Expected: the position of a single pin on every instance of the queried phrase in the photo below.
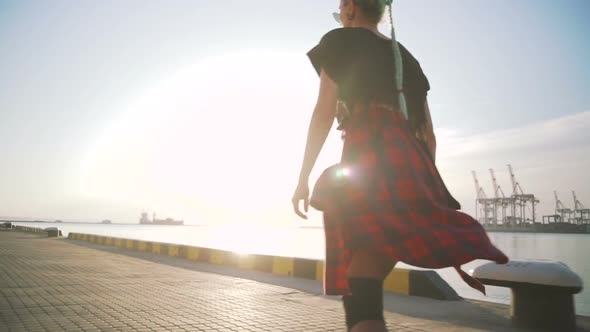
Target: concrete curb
(27, 229)
(402, 281)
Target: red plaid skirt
(387, 195)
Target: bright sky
(198, 109)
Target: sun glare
(227, 132)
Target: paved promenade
(49, 284)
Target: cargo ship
(144, 220)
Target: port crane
(499, 202)
(518, 210)
(560, 209)
(483, 204)
(581, 213)
(521, 200)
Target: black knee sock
(365, 301)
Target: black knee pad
(365, 301)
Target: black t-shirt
(362, 65)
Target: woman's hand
(319, 127)
(301, 194)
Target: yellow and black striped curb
(404, 281)
(29, 229)
(50, 231)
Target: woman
(385, 201)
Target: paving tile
(55, 285)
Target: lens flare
(342, 172)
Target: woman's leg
(364, 307)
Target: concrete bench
(53, 232)
(542, 292)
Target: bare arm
(320, 125)
(430, 138)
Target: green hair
(373, 9)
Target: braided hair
(374, 10)
(397, 56)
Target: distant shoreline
(555, 228)
(87, 223)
